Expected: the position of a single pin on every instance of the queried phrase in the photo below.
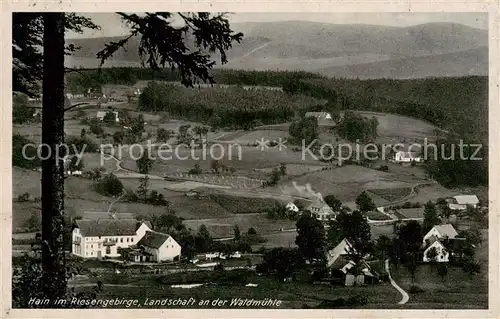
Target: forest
(234, 108)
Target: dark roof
(108, 227)
(153, 239)
(106, 215)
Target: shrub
(157, 199)
(25, 197)
(95, 174)
(96, 127)
(196, 170)
(33, 223)
(109, 185)
(18, 159)
(383, 168)
(131, 196)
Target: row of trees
(202, 241)
(92, 79)
(355, 127)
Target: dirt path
(405, 295)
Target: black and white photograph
(250, 160)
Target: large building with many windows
(102, 234)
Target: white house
(460, 202)
(159, 247)
(406, 157)
(102, 114)
(72, 96)
(439, 232)
(442, 254)
(321, 210)
(96, 238)
(291, 207)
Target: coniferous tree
(163, 44)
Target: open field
(292, 294)
(24, 180)
(376, 215)
(252, 137)
(242, 205)
(401, 127)
(297, 169)
(347, 182)
(223, 227)
(244, 159)
(392, 194)
(412, 212)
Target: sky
(112, 26)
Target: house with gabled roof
(102, 237)
(441, 252)
(159, 247)
(438, 232)
(460, 202)
(342, 249)
(321, 210)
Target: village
(127, 243)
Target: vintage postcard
(318, 162)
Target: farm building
(445, 231)
(75, 96)
(441, 254)
(324, 118)
(102, 114)
(96, 238)
(116, 92)
(341, 249)
(340, 264)
(460, 202)
(157, 247)
(407, 157)
(291, 207)
(447, 248)
(321, 210)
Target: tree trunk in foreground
(54, 274)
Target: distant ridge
(431, 49)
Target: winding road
(405, 295)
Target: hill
(322, 47)
(465, 63)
